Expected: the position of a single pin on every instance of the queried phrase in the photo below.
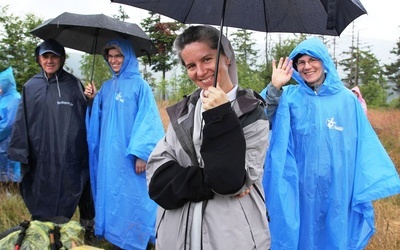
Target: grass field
(387, 211)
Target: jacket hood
(7, 81)
(315, 48)
(360, 98)
(357, 89)
(229, 52)
(130, 64)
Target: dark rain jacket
(49, 139)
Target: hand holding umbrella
(214, 97)
(90, 90)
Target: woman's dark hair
(206, 34)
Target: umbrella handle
(94, 46)
(219, 44)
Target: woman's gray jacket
(232, 153)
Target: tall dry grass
(387, 211)
(12, 208)
(387, 125)
(162, 105)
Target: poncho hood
(130, 66)
(315, 48)
(7, 81)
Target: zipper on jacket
(187, 225)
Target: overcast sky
(381, 23)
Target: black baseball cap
(52, 46)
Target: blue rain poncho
(124, 124)
(324, 166)
(9, 100)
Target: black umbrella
(325, 17)
(90, 33)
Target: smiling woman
(219, 193)
(320, 154)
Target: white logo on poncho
(65, 103)
(332, 124)
(119, 97)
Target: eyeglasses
(312, 61)
(117, 56)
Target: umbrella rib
(189, 10)
(265, 15)
(331, 20)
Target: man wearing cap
(49, 139)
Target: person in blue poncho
(325, 164)
(10, 171)
(123, 127)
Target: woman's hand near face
(214, 97)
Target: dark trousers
(86, 204)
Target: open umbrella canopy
(90, 33)
(325, 17)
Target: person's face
(200, 62)
(115, 59)
(311, 70)
(50, 63)
(355, 93)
